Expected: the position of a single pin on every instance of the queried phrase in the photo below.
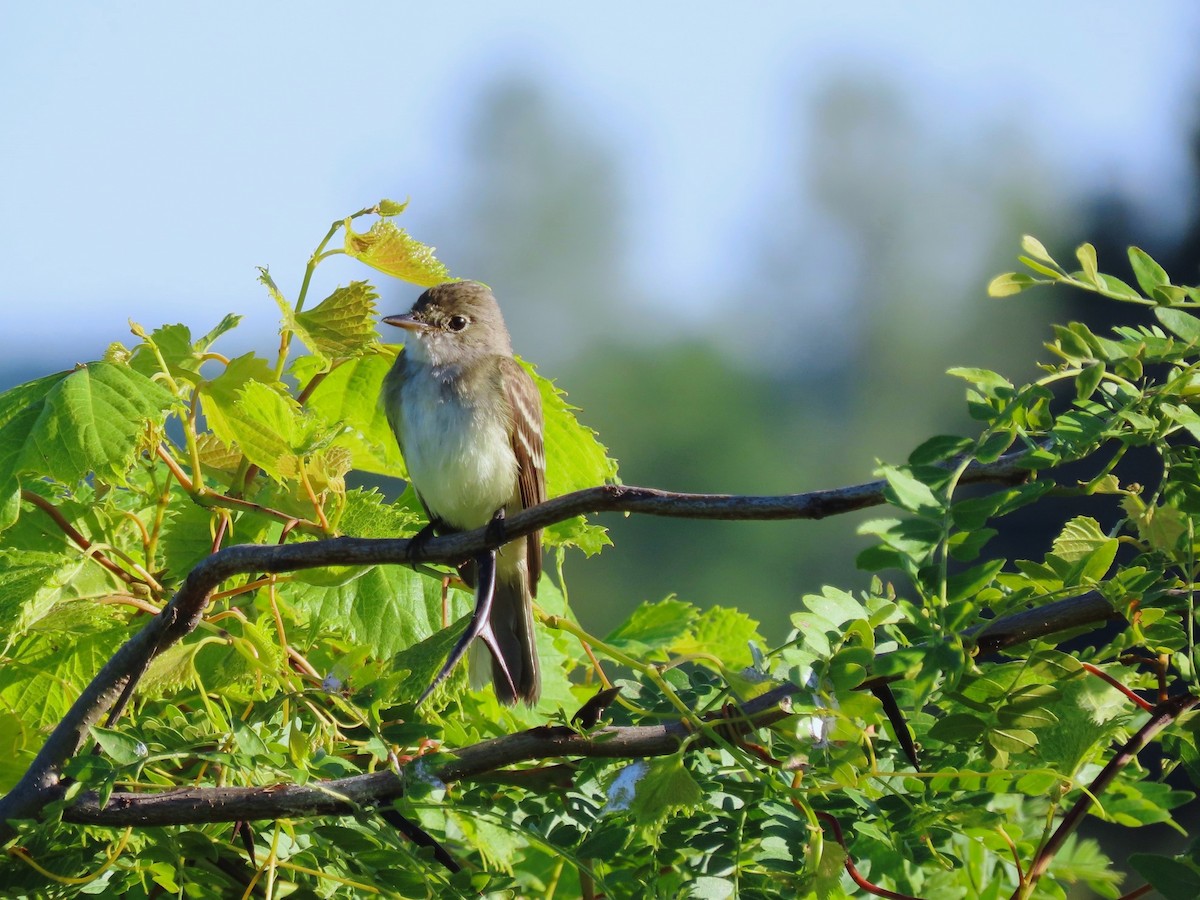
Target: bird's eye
(457, 323)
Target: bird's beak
(406, 321)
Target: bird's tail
(514, 666)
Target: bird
(468, 421)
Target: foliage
(118, 477)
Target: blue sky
(154, 154)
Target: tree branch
(344, 796)
(113, 686)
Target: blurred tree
(540, 214)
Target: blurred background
(747, 243)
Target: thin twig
(76, 537)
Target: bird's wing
(525, 404)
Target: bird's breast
(459, 455)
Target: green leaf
(654, 627)
(987, 381)
(907, 492)
(1036, 249)
(1179, 323)
(575, 459)
(1079, 537)
(939, 449)
(724, 633)
(1088, 380)
(47, 668)
(348, 396)
(266, 425)
(31, 582)
(1148, 273)
(69, 425)
(368, 514)
(174, 344)
(957, 728)
(1086, 254)
(384, 608)
(390, 208)
(219, 396)
(1012, 740)
(343, 324)
(120, 747)
(1176, 878)
(416, 666)
(1011, 283)
(665, 789)
(394, 252)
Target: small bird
(468, 420)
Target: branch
(113, 686)
(345, 796)
(1162, 716)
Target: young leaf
(343, 324)
(394, 252)
(1036, 249)
(907, 492)
(1086, 254)
(655, 627)
(349, 396)
(1011, 283)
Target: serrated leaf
(31, 582)
(91, 419)
(265, 425)
(419, 664)
(666, 788)
(46, 669)
(384, 608)
(724, 633)
(174, 344)
(1148, 273)
(348, 396)
(219, 395)
(1079, 537)
(186, 537)
(368, 514)
(394, 252)
(575, 459)
(342, 325)
(655, 627)
(390, 208)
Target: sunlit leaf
(394, 252)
